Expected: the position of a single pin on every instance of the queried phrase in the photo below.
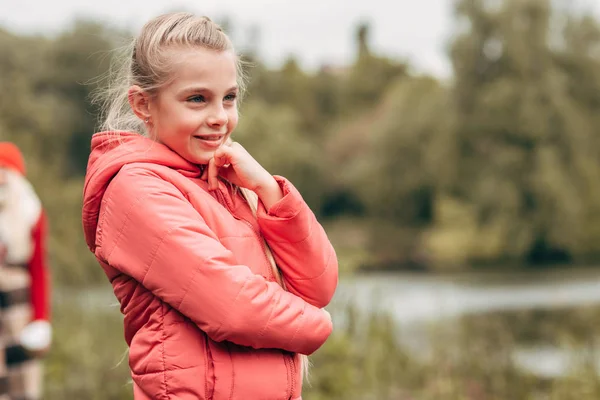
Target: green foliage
(472, 358)
(274, 136)
(498, 164)
(526, 145)
(88, 359)
(370, 76)
(404, 157)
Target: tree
(370, 76)
(77, 61)
(522, 140)
(274, 136)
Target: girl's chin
(201, 158)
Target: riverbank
(478, 358)
(511, 337)
(366, 359)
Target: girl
(221, 269)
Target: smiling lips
(211, 137)
(212, 140)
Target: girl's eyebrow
(195, 89)
(202, 89)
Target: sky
(315, 31)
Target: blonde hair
(252, 200)
(147, 62)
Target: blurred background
(449, 147)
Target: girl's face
(196, 113)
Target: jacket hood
(110, 151)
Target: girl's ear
(139, 101)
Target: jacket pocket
(260, 373)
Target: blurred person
(221, 269)
(25, 330)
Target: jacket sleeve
(152, 233)
(300, 246)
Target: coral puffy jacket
(204, 317)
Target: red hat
(11, 157)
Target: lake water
(414, 300)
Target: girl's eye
(197, 99)
(230, 97)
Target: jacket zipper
(292, 366)
(209, 370)
(290, 363)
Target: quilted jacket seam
(155, 252)
(262, 332)
(127, 220)
(298, 327)
(305, 238)
(327, 266)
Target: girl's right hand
(232, 162)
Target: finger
(223, 156)
(213, 173)
(238, 149)
(236, 145)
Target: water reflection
(418, 298)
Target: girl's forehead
(206, 68)
(195, 61)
